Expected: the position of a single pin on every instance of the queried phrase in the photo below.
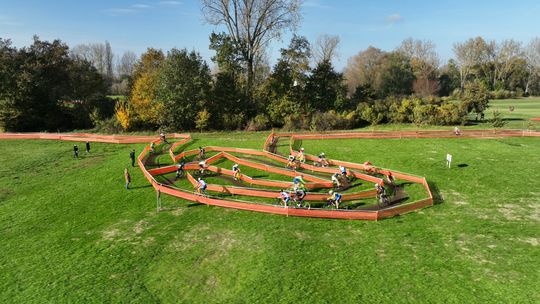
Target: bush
(233, 121)
(324, 121)
(497, 121)
(108, 126)
(259, 123)
(295, 122)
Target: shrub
(258, 123)
(324, 121)
(295, 122)
(497, 121)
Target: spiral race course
(368, 174)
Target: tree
(201, 122)
(395, 76)
(126, 64)
(449, 78)
(424, 62)
(532, 55)
(475, 97)
(325, 48)
(474, 55)
(252, 24)
(143, 104)
(362, 69)
(183, 88)
(43, 88)
(326, 88)
(506, 55)
(290, 75)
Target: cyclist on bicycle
(201, 153)
(335, 180)
(202, 166)
(299, 180)
(291, 164)
(301, 157)
(322, 160)
(236, 172)
(335, 198)
(180, 170)
(299, 195)
(285, 197)
(201, 186)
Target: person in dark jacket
(132, 156)
(75, 151)
(87, 147)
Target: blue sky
(135, 25)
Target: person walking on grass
(132, 157)
(75, 151)
(127, 178)
(87, 147)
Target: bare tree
(475, 52)
(325, 49)
(108, 58)
(505, 55)
(362, 68)
(252, 24)
(425, 63)
(532, 56)
(126, 64)
(100, 55)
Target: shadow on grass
(140, 187)
(437, 197)
(462, 165)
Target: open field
(71, 233)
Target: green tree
(201, 122)
(43, 88)
(475, 97)
(183, 88)
(326, 88)
(395, 77)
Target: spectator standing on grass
(127, 177)
(132, 157)
(75, 151)
(87, 147)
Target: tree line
(48, 86)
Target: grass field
(71, 233)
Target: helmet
(330, 192)
(301, 149)
(199, 179)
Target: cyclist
(299, 180)
(201, 186)
(343, 171)
(285, 197)
(335, 198)
(152, 147)
(336, 181)
(180, 170)
(299, 195)
(202, 166)
(322, 160)
(236, 172)
(301, 156)
(201, 153)
(291, 164)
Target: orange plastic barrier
(272, 140)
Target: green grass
(71, 233)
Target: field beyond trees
(71, 233)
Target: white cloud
(6, 21)
(142, 6)
(119, 11)
(394, 18)
(170, 2)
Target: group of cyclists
(296, 194)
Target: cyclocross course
(254, 194)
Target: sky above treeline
(136, 25)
